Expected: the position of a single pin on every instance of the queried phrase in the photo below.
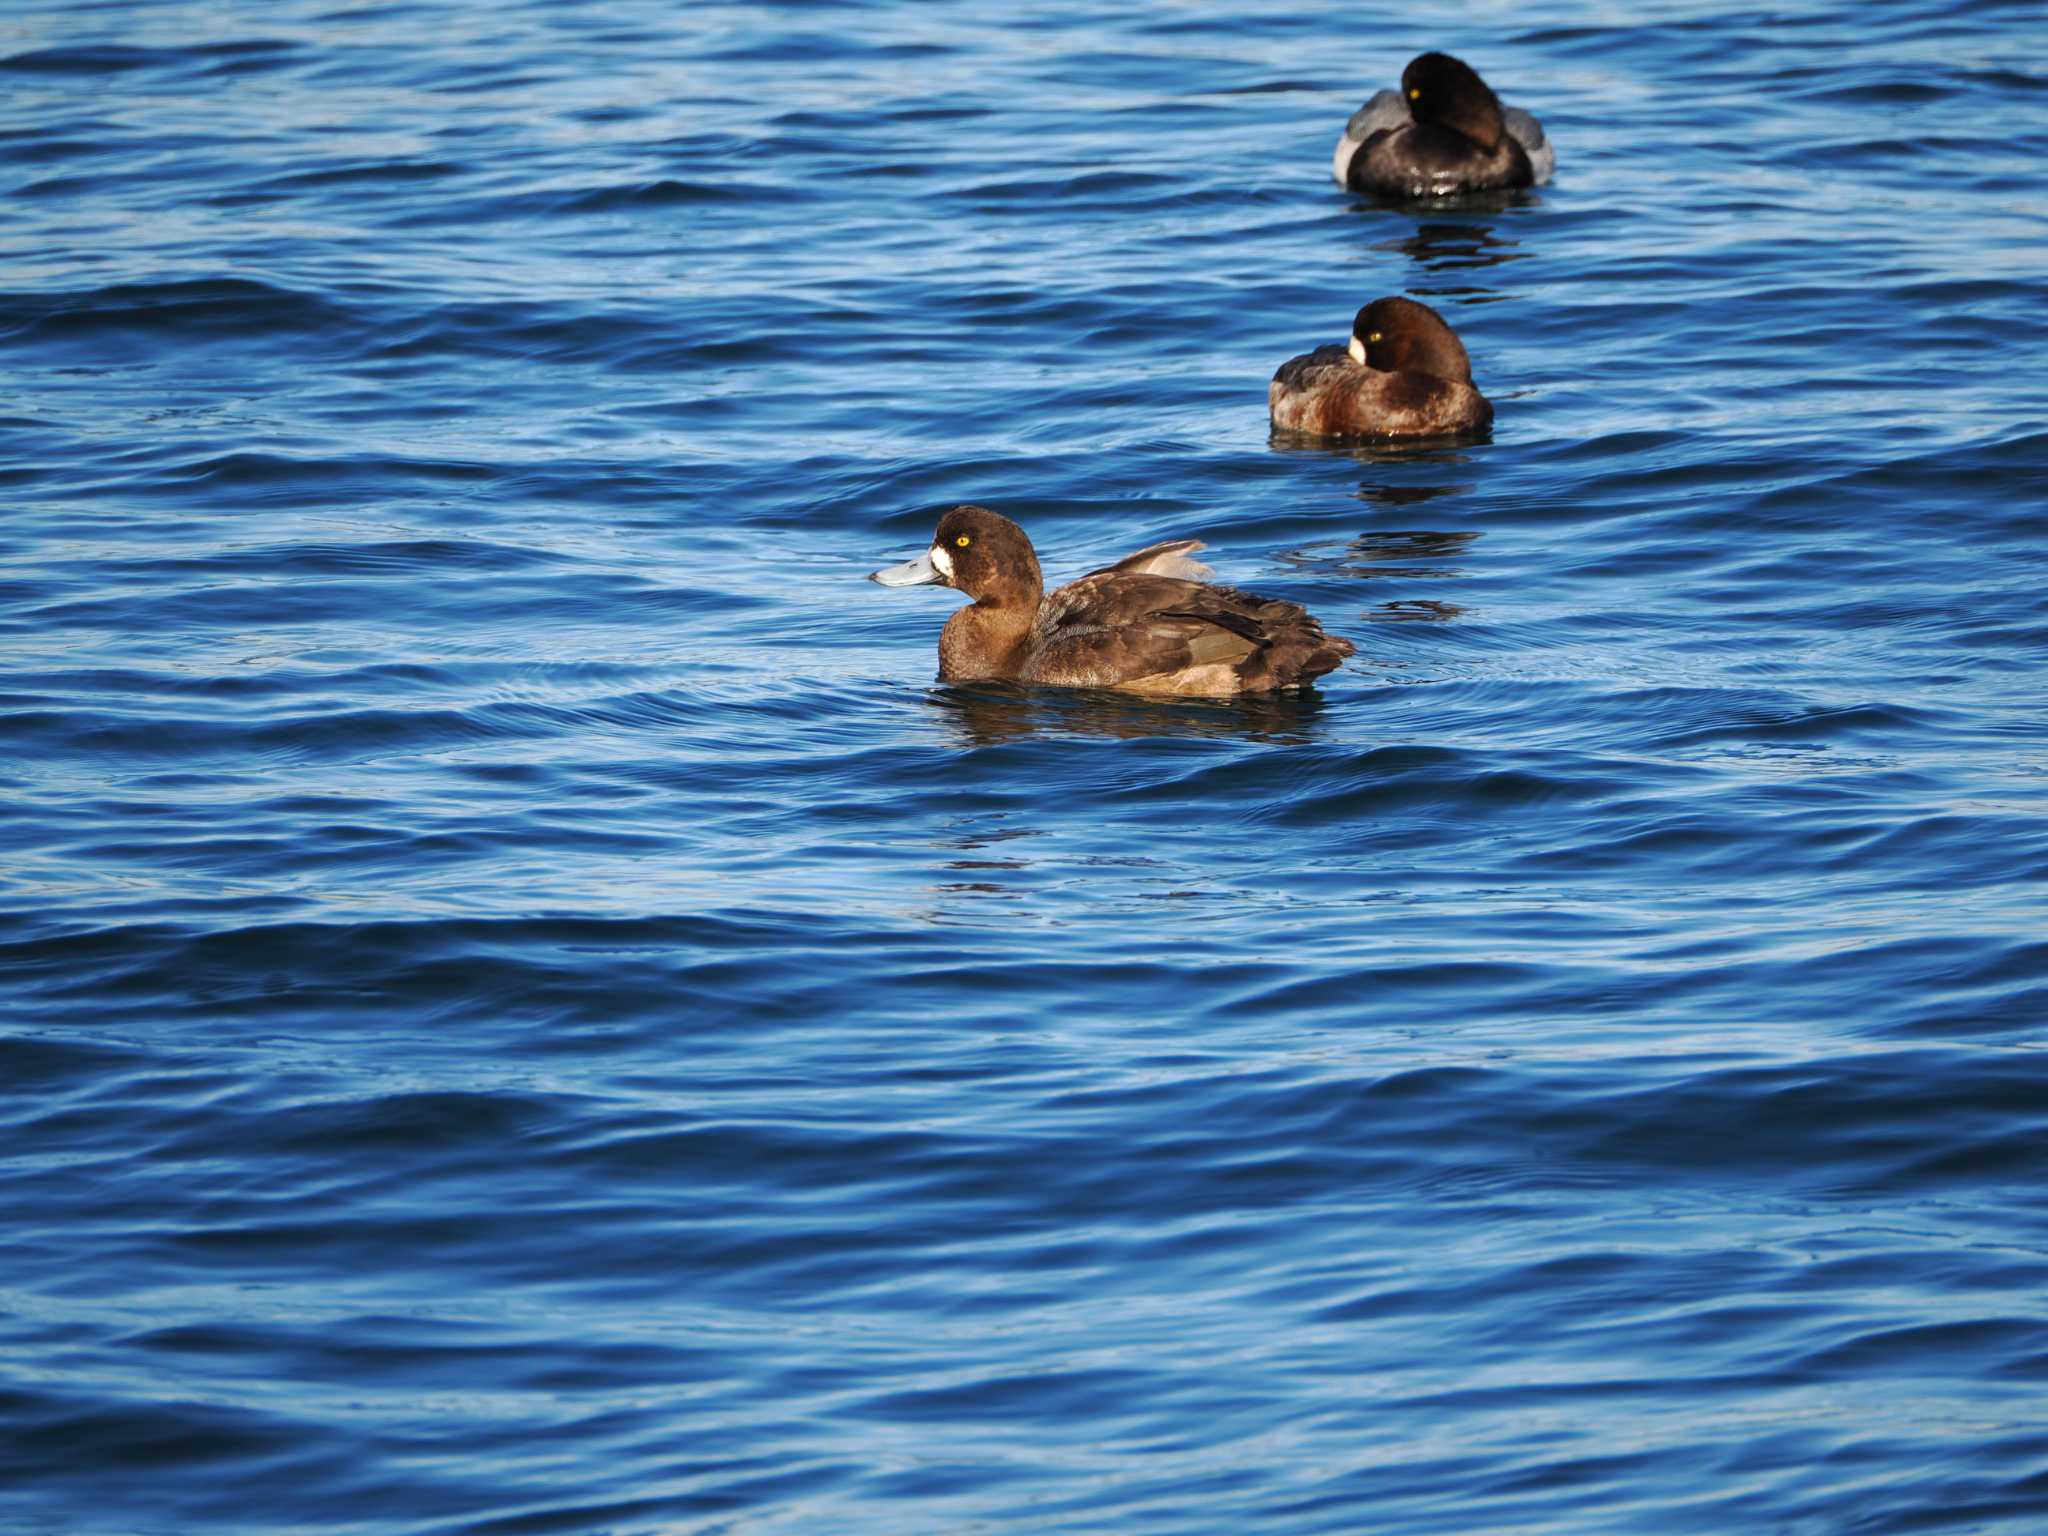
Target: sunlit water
(527, 1010)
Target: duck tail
(1294, 655)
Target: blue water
(526, 1009)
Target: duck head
(1448, 93)
(979, 552)
(1400, 335)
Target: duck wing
(1167, 634)
(1306, 372)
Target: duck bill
(911, 573)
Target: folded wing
(1169, 634)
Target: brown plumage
(1404, 374)
(1147, 624)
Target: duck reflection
(1047, 887)
(1441, 246)
(1406, 495)
(1385, 553)
(1394, 554)
(1414, 610)
(992, 714)
(985, 857)
(1378, 450)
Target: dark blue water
(527, 1010)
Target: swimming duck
(1443, 132)
(1148, 624)
(1405, 374)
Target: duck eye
(1375, 336)
(963, 541)
(1415, 94)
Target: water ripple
(527, 1009)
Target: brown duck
(1404, 374)
(1148, 624)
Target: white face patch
(942, 560)
(1357, 350)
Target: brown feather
(1325, 394)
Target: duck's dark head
(1448, 93)
(976, 551)
(1397, 335)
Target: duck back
(1325, 394)
(1169, 634)
(1423, 160)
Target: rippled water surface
(524, 1008)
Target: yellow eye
(1375, 336)
(963, 541)
(1416, 94)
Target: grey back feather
(1387, 109)
(1529, 134)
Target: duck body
(1404, 374)
(1148, 624)
(1443, 133)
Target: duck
(1444, 132)
(1404, 374)
(1150, 624)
